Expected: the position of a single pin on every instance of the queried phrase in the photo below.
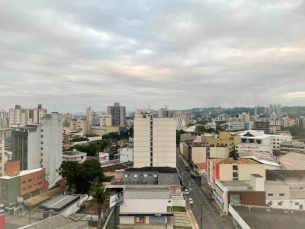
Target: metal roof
(58, 222)
(152, 193)
(59, 202)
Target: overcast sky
(180, 53)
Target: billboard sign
(116, 199)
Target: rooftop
(293, 161)
(153, 193)
(262, 157)
(265, 217)
(279, 183)
(60, 202)
(232, 161)
(283, 174)
(23, 173)
(58, 222)
(203, 165)
(74, 152)
(153, 169)
(235, 183)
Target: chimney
(257, 182)
(39, 106)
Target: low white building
(74, 155)
(103, 157)
(259, 137)
(146, 206)
(126, 154)
(253, 147)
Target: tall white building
(51, 146)
(40, 146)
(154, 140)
(180, 120)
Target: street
(202, 205)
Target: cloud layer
(185, 53)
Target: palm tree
(99, 195)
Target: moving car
(186, 192)
(191, 201)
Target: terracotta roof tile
(232, 161)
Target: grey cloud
(187, 54)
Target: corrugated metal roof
(147, 194)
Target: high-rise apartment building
(244, 117)
(80, 125)
(260, 125)
(154, 140)
(164, 113)
(180, 120)
(118, 114)
(19, 116)
(40, 146)
(3, 119)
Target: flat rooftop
(153, 193)
(152, 169)
(22, 173)
(264, 217)
(235, 183)
(73, 153)
(294, 144)
(60, 202)
(232, 161)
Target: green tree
(219, 128)
(99, 195)
(70, 170)
(234, 154)
(92, 173)
(191, 163)
(106, 136)
(200, 128)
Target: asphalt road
(211, 218)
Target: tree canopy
(200, 128)
(81, 177)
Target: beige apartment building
(19, 116)
(199, 152)
(225, 139)
(154, 140)
(80, 125)
(228, 169)
(105, 120)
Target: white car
(186, 192)
(191, 201)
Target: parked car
(191, 201)
(186, 192)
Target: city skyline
(155, 53)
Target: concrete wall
(244, 171)
(145, 206)
(274, 188)
(219, 152)
(10, 190)
(34, 149)
(199, 154)
(126, 154)
(149, 178)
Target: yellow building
(225, 139)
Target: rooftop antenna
(148, 106)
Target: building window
(145, 175)
(235, 174)
(235, 167)
(29, 180)
(141, 175)
(282, 194)
(135, 175)
(235, 199)
(30, 187)
(23, 189)
(296, 203)
(270, 194)
(23, 182)
(150, 175)
(151, 160)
